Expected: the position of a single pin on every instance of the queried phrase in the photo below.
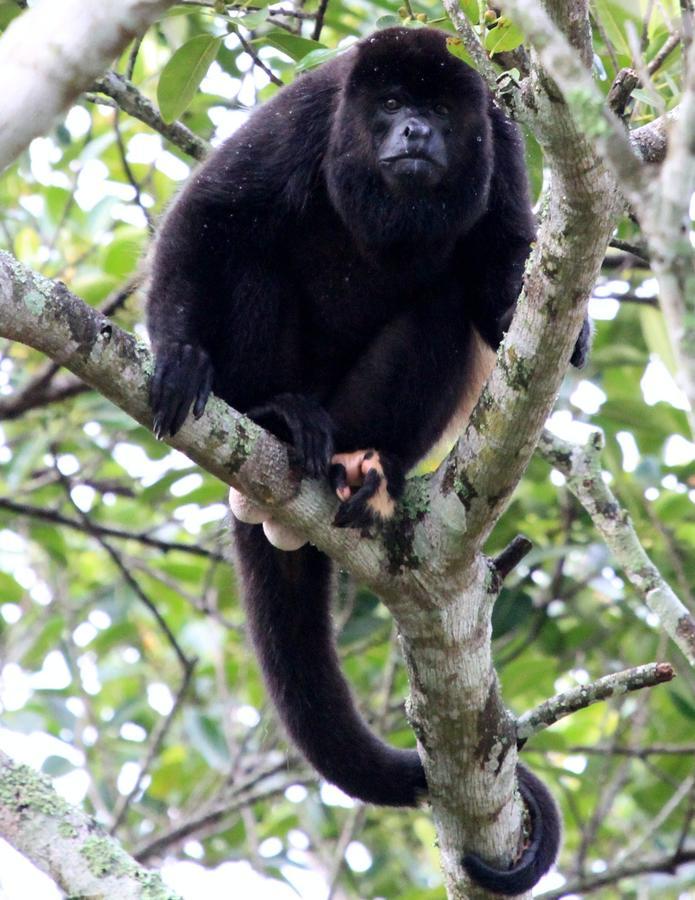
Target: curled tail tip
(541, 851)
(509, 882)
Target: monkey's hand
(303, 422)
(369, 483)
(182, 378)
(583, 345)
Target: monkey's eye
(441, 109)
(391, 104)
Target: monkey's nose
(416, 129)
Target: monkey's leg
(395, 403)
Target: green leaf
(645, 97)
(613, 21)
(471, 9)
(45, 641)
(504, 36)
(8, 11)
(316, 58)
(121, 256)
(684, 707)
(253, 19)
(294, 46)
(457, 48)
(183, 73)
(388, 21)
(656, 336)
(55, 766)
(206, 737)
(10, 591)
(27, 457)
(511, 610)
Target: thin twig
(355, 817)
(320, 14)
(244, 795)
(667, 862)
(257, 61)
(568, 702)
(656, 821)
(184, 660)
(56, 518)
(156, 741)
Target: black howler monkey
(339, 269)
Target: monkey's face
(410, 140)
(410, 155)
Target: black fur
(542, 849)
(331, 292)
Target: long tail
(287, 598)
(541, 852)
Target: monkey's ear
(378, 484)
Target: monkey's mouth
(412, 168)
(414, 158)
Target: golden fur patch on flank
(482, 364)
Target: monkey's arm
(214, 312)
(183, 310)
(494, 253)
(495, 257)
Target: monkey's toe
(369, 484)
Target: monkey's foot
(368, 483)
(303, 422)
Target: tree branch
(666, 862)
(52, 52)
(66, 844)
(56, 518)
(129, 99)
(579, 92)
(568, 702)
(582, 468)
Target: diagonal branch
(66, 844)
(617, 683)
(581, 466)
(580, 93)
(52, 52)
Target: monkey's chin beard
(409, 173)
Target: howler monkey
(339, 269)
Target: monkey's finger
(203, 394)
(311, 465)
(352, 463)
(337, 478)
(324, 450)
(180, 413)
(360, 511)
